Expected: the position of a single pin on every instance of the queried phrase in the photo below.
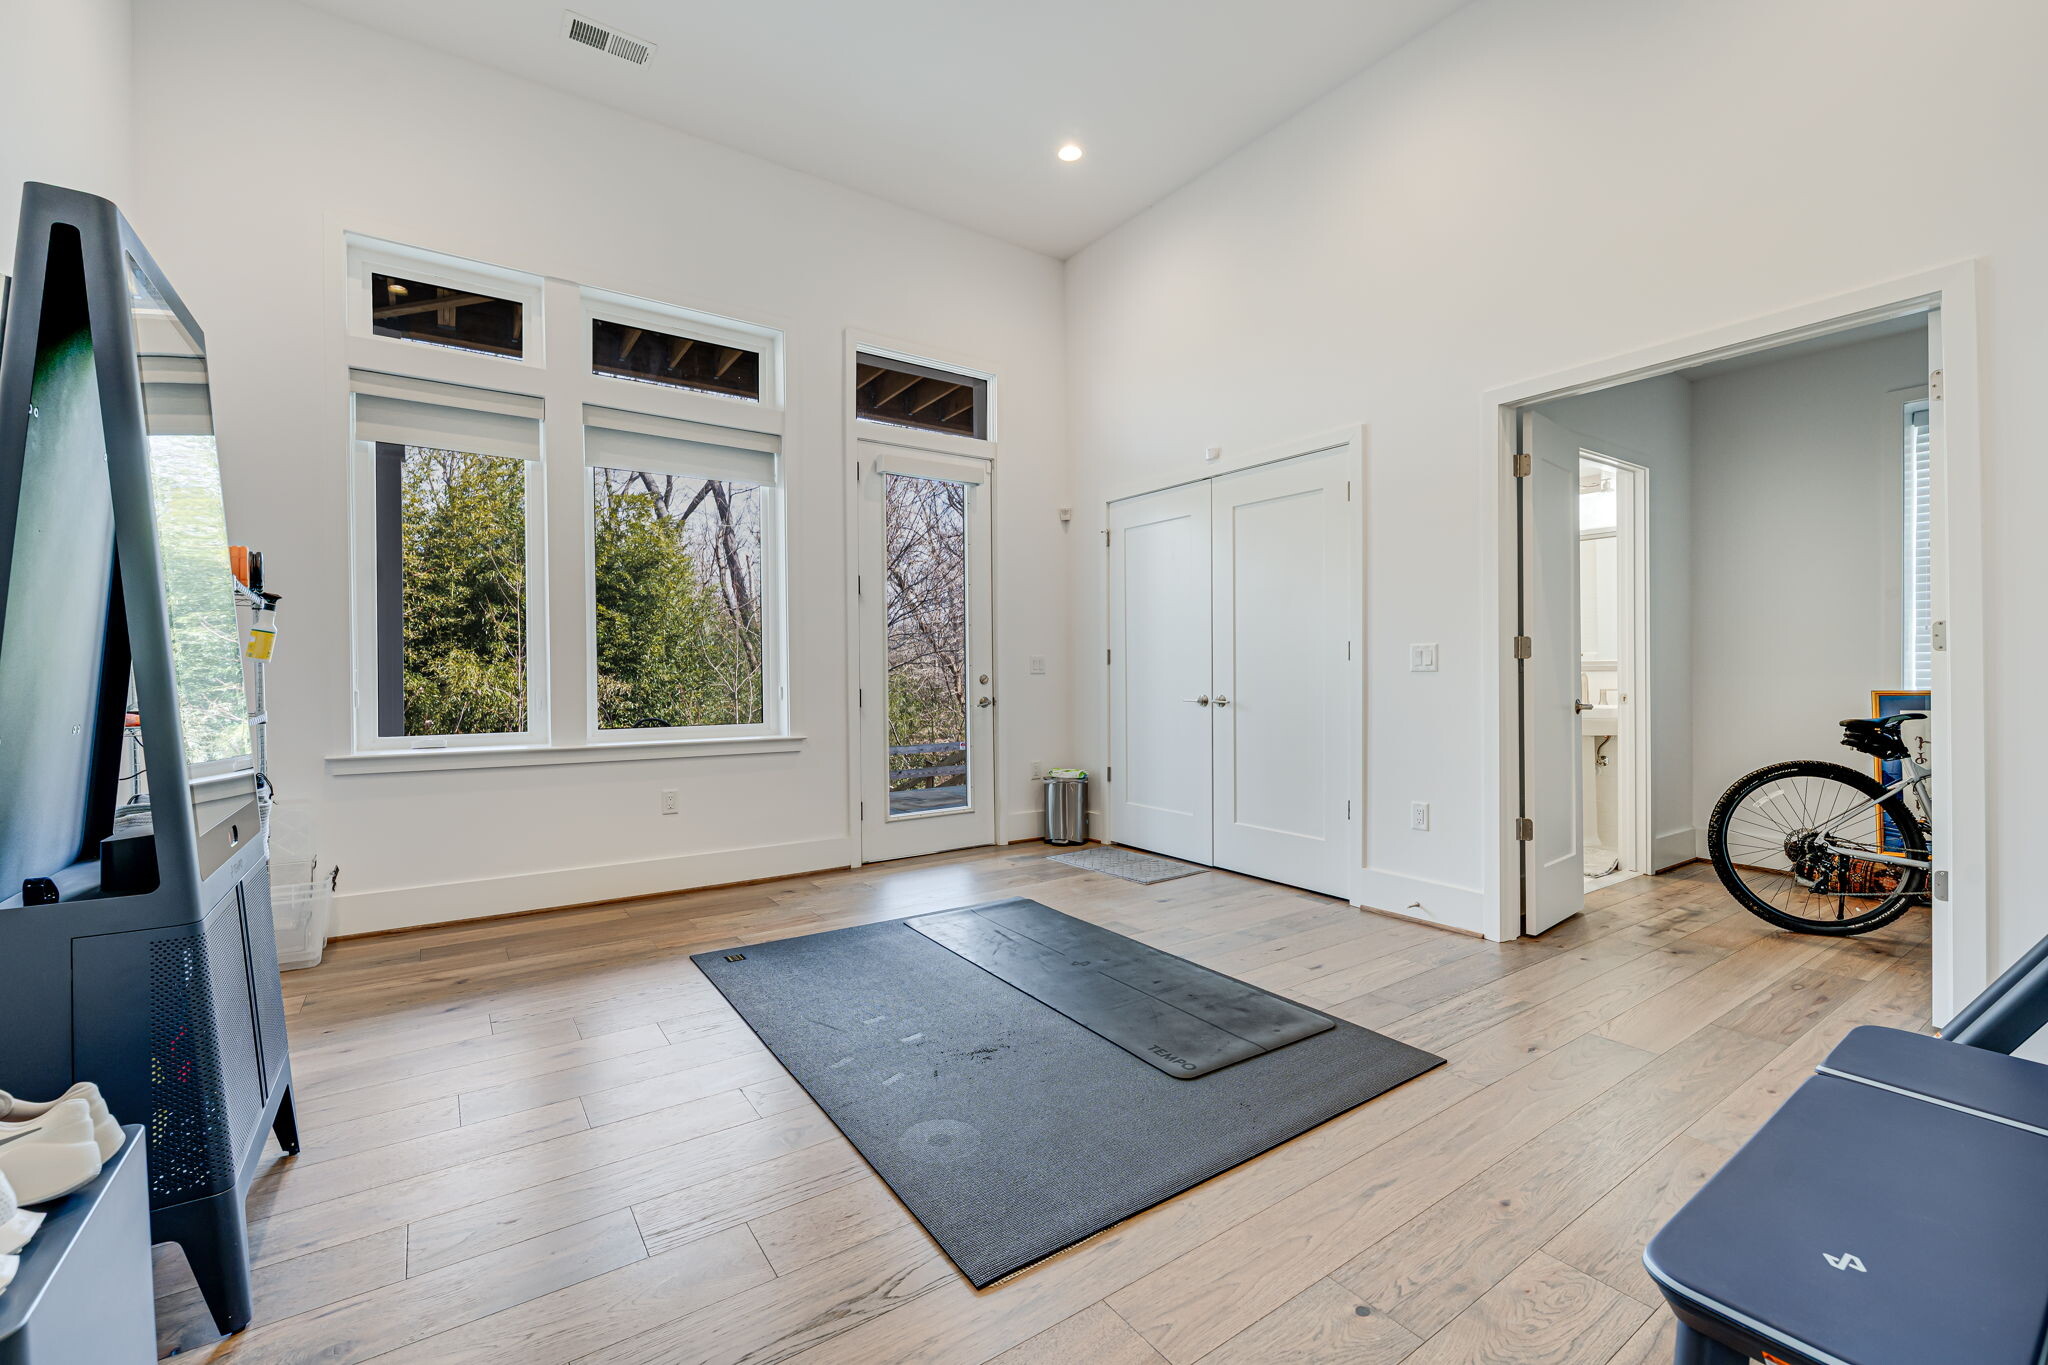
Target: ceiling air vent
(595, 35)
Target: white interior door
(1553, 874)
(1159, 702)
(926, 701)
(1281, 568)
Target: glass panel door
(927, 698)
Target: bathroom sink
(1600, 720)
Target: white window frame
(892, 433)
(369, 256)
(603, 304)
(364, 566)
(774, 569)
(560, 545)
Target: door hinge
(1525, 464)
(860, 697)
(1525, 830)
(860, 586)
(1347, 490)
(1937, 635)
(1934, 384)
(1107, 657)
(1105, 540)
(1109, 774)
(1525, 647)
(1941, 885)
(863, 810)
(1347, 810)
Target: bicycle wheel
(1764, 845)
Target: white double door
(1231, 625)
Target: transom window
(469, 320)
(905, 393)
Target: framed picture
(1882, 704)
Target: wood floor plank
(372, 1324)
(1546, 1313)
(637, 1169)
(1430, 1270)
(1325, 1324)
(1094, 1335)
(684, 1159)
(590, 1315)
(1215, 1291)
(1607, 1240)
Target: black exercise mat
(1007, 1129)
(1164, 1010)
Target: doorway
(1769, 514)
(1232, 677)
(925, 606)
(1614, 674)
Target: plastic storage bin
(301, 887)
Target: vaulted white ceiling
(952, 107)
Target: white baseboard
(1677, 846)
(404, 907)
(1454, 907)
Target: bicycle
(1820, 848)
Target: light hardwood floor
(549, 1140)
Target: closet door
(1281, 560)
(1159, 705)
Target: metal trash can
(1066, 806)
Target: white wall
(1649, 423)
(64, 102)
(271, 129)
(1529, 188)
(1798, 575)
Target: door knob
(986, 702)
(1222, 700)
(1199, 701)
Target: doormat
(1132, 866)
(1009, 1130)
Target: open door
(1553, 842)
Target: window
(904, 393)
(671, 501)
(414, 310)
(1919, 555)
(653, 357)
(683, 564)
(451, 486)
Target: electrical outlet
(1038, 772)
(671, 803)
(1418, 815)
(1038, 663)
(1422, 658)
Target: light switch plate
(1038, 663)
(1422, 658)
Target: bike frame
(1912, 776)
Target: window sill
(449, 760)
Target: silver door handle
(1199, 701)
(1582, 706)
(1222, 700)
(986, 702)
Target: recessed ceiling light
(1070, 151)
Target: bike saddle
(1879, 736)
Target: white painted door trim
(1351, 441)
(1964, 945)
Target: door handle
(1582, 706)
(986, 702)
(1222, 700)
(1199, 701)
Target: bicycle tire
(1910, 889)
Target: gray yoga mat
(1009, 1130)
(1164, 1010)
